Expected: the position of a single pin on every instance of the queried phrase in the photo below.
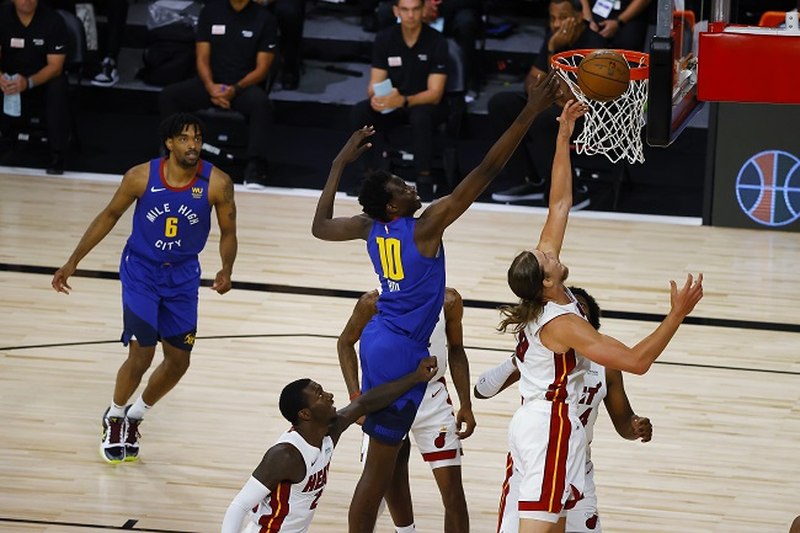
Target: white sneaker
(108, 74)
(112, 447)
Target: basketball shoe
(523, 192)
(131, 437)
(112, 447)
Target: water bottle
(12, 103)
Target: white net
(613, 128)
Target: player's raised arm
(560, 202)
(325, 226)
(571, 331)
(446, 210)
(381, 396)
(131, 188)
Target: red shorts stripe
(439, 456)
(504, 491)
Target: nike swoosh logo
(59, 47)
(435, 393)
(153, 189)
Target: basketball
(603, 75)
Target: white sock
(116, 411)
(138, 409)
(406, 529)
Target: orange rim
(639, 62)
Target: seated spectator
(414, 57)
(567, 31)
(33, 42)
(235, 46)
(622, 24)
(461, 21)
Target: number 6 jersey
(171, 225)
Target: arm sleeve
(250, 495)
(57, 39)
(269, 34)
(203, 29)
(489, 382)
(439, 59)
(380, 50)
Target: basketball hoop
(610, 128)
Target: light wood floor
(725, 404)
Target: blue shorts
(387, 356)
(159, 301)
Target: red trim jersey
(545, 375)
(290, 507)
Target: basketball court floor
(724, 398)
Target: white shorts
(434, 429)
(548, 449)
(583, 518)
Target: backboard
(672, 97)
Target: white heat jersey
(438, 347)
(594, 391)
(290, 507)
(545, 375)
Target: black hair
(293, 399)
(576, 4)
(373, 195)
(173, 125)
(593, 312)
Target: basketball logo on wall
(768, 188)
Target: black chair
(448, 133)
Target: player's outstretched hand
(355, 145)
(684, 300)
(544, 92)
(60, 278)
(642, 428)
(222, 282)
(572, 111)
(427, 368)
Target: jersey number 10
(391, 263)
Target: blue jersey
(412, 284)
(171, 225)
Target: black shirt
(24, 50)
(409, 67)
(236, 38)
(587, 39)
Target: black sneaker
(255, 174)
(108, 74)
(131, 437)
(112, 447)
(56, 166)
(520, 193)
